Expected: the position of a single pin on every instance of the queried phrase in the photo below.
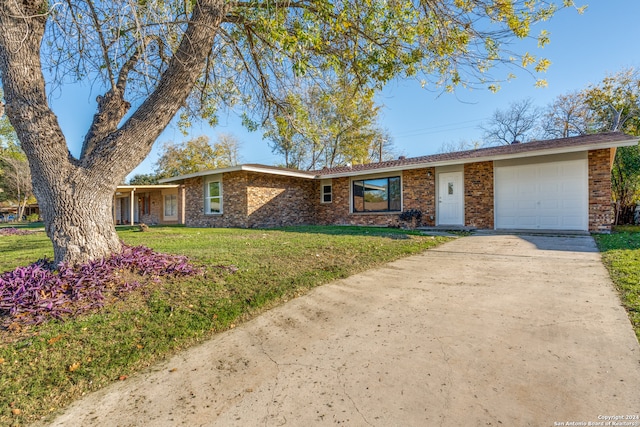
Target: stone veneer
(600, 207)
(478, 195)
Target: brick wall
(254, 200)
(262, 200)
(274, 200)
(418, 192)
(478, 195)
(234, 202)
(336, 212)
(600, 209)
(155, 208)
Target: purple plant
(36, 293)
(12, 231)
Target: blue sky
(583, 50)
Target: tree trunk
(75, 195)
(78, 219)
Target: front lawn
(621, 255)
(43, 368)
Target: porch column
(132, 203)
(181, 204)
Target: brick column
(600, 208)
(478, 195)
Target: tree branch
(175, 84)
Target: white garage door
(545, 196)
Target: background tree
(518, 123)
(16, 179)
(144, 179)
(196, 155)
(327, 127)
(461, 145)
(15, 176)
(381, 148)
(227, 150)
(568, 115)
(153, 58)
(615, 103)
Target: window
(213, 197)
(170, 205)
(327, 191)
(377, 195)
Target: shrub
(414, 216)
(12, 231)
(38, 292)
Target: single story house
(150, 204)
(559, 184)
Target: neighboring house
(150, 204)
(561, 184)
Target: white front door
(450, 199)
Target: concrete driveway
(492, 330)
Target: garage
(550, 195)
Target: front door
(450, 199)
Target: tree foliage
(144, 179)
(154, 58)
(625, 183)
(197, 155)
(615, 103)
(328, 127)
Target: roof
(145, 186)
(504, 152)
(124, 190)
(273, 170)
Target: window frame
(388, 178)
(165, 198)
(208, 198)
(323, 185)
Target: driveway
(487, 330)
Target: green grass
(45, 368)
(621, 255)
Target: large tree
(154, 57)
